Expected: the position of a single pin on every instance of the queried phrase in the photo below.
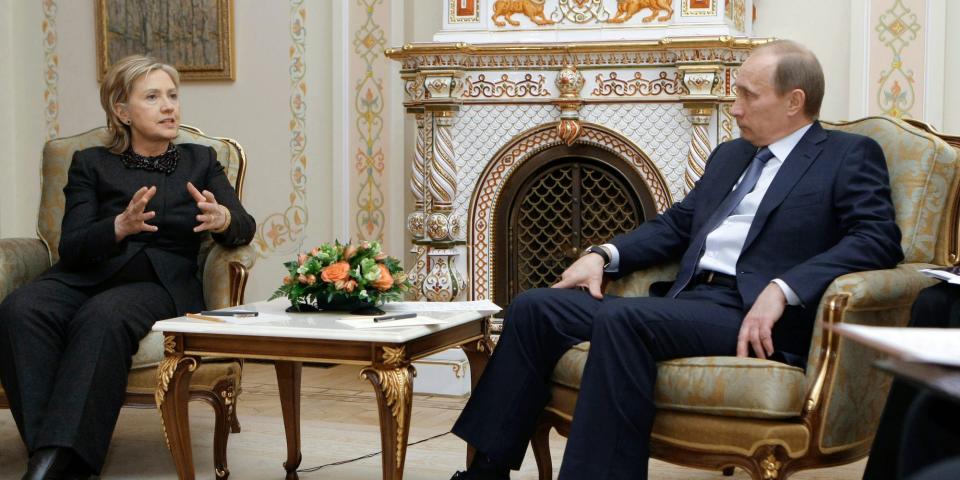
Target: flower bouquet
(347, 277)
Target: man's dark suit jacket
(99, 188)
(827, 212)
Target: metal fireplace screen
(553, 213)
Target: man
(809, 205)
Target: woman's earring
(128, 121)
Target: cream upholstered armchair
(224, 272)
(772, 419)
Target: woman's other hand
(213, 216)
(133, 220)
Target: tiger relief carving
(626, 9)
(532, 9)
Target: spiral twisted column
(701, 99)
(443, 178)
(700, 145)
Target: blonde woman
(135, 213)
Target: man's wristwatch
(599, 251)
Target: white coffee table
(291, 339)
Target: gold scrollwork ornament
(771, 467)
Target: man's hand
(586, 272)
(757, 326)
(133, 219)
(212, 216)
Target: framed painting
(195, 36)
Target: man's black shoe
(471, 475)
(50, 463)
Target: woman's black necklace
(166, 162)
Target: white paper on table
(929, 345)
(367, 322)
(484, 307)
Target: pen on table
(205, 317)
(399, 316)
(230, 313)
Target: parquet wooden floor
(339, 422)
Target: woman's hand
(213, 216)
(133, 219)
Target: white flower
(363, 294)
(302, 269)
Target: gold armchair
(224, 272)
(772, 419)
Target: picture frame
(195, 36)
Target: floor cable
(369, 455)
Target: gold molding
(396, 387)
(723, 41)
(394, 356)
(826, 363)
(165, 371)
(770, 467)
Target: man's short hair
(797, 68)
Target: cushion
(675, 429)
(727, 386)
(150, 352)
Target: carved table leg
(478, 353)
(288, 380)
(172, 397)
(394, 389)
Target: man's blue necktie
(688, 265)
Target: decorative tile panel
(661, 130)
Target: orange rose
(385, 281)
(346, 285)
(335, 272)
(287, 280)
(311, 279)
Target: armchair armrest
(637, 284)
(225, 274)
(21, 260)
(882, 289)
(846, 394)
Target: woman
(134, 217)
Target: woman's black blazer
(99, 188)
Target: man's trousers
(614, 415)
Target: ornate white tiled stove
(656, 94)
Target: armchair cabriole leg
(541, 450)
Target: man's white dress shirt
(724, 243)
